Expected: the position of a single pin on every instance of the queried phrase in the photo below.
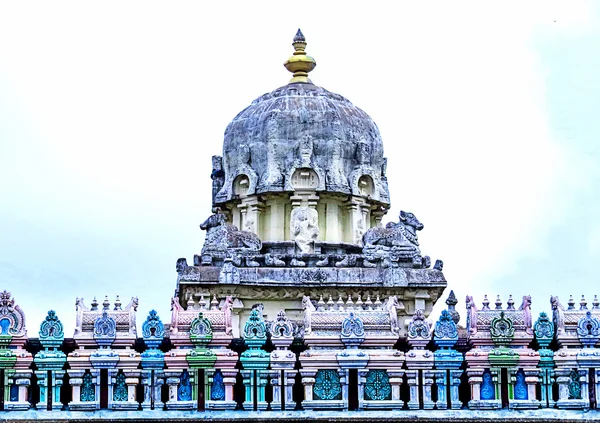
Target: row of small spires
(571, 303)
(191, 305)
(106, 304)
(349, 304)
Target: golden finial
(300, 64)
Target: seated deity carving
(304, 228)
(221, 236)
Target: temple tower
(298, 198)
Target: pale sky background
(110, 112)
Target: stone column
(442, 389)
(57, 383)
(531, 379)
(248, 376)
(147, 384)
(428, 376)
(332, 221)
(289, 380)
(229, 379)
(42, 381)
(308, 381)
(172, 380)
(396, 382)
(76, 380)
(562, 379)
(277, 382)
(454, 382)
(475, 380)
(413, 383)
(344, 382)
(262, 377)
(132, 378)
(21, 378)
(159, 381)
(585, 390)
(355, 215)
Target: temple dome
(303, 126)
(302, 155)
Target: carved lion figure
(222, 236)
(526, 308)
(471, 315)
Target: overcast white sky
(110, 112)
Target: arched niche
(305, 178)
(241, 185)
(366, 186)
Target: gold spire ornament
(300, 64)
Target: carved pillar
(442, 390)
(229, 378)
(455, 403)
(308, 381)
(355, 217)
(289, 378)
(332, 221)
(562, 379)
(262, 377)
(475, 380)
(251, 209)
(413, 384)
(248, 376)
(42, 381)
(395, 382)
(21, 378)
(428, 376)
(172, 380)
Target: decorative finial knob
(300, 64)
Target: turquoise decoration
(377, 387)
(544, 330)
(327, 385)
(521, 386)
(217, 389)
(445, 333)
(51, 331)
(88, 391)
(574, 385)
(184, 391)
(588, 330)
(120, 388)
(487, 386)
(153, 332)
(255, 336)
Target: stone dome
(303, 136)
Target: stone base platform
(433, 416)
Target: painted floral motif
(352, 326)
(418, 326)
(153, 327)
(255, 326)
(282, 326)
(12, 318)
(51, 327)
(105, 326)
(184, 391)
(487, 387)
(574, 385)
(88, 391)
(217, 389)
(377, 387)
(588, 330)
(327, 385)
(520, 386)
(120, 388)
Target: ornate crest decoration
(445, 332)
(255, 328)
(353, 331)
(12, 318)
(51, 331)
(588, 330)
(418, 328)
(282, 327)
(105, 330)
(543, 330)
(201, 331)
(502, 330)
(153, 332)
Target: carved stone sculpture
(221, 236)
(396, 234)
(304, 228)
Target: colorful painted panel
(88, 391)
(327, 385)
(377, 386)
(120, 388)
(487, 387)
(217, 389)
(184, 391)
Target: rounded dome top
(302, 137)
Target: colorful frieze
(201, 370)
(577, 332)
(447, 362)
(104, 369)
(152, 361)
(348, 339)
(503, 371)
